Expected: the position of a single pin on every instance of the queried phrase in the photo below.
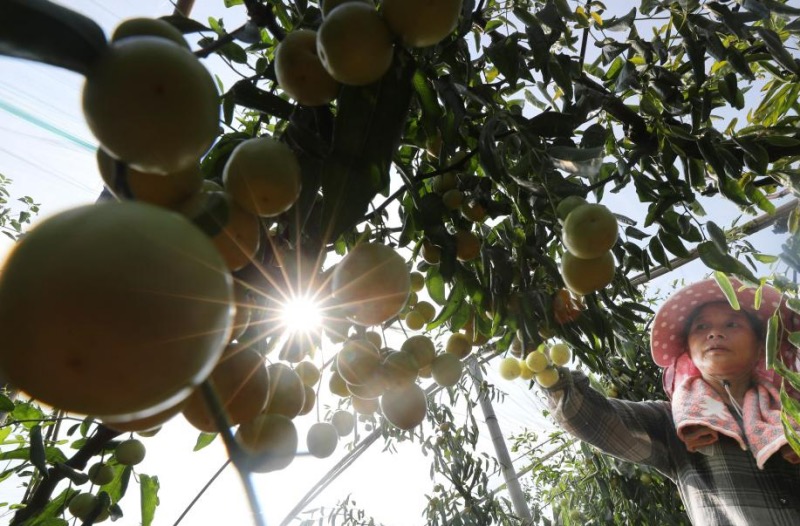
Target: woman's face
(722, 341)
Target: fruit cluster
(539, 364)
(310, 64)
(375, 377)
(589, 232)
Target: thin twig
(203, 490)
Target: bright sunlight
(301, 314)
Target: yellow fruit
(548, 377)
(355, 44)
(447, 369)
(537, 361)
(244, 310)
(404, 407)
(344, 422)
(417, 281)
(415, 321)
(271, 440)
(364, 406)
(239, 237)
(590, 231)
(560, 354)
(241, 383)
(300, 72)
(263, 176)
(399, 369)
(509, 368)
(421, 348)
(130, 452)
(371, 283)
(474, 211)
(584, 276)
(459, 344)
(142, 425)
(287, 393)
(337, 385)
(421, 23)
(427, 310)
(321, 439)
(431, 253)
(309, 400)
(453, 199)
(468, 246)
(358, 362)
(308, 372)
(151, 103)
(444, 182)
(374, 338)
(91, 299)
(169, 190)
(370, 390)
(154, 27)
(567, 205)
(525, 372)
(326, 6)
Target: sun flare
(301, 314)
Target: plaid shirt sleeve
(721, 486)
(633, 431)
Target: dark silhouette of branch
(93, 446)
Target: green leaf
(50, 514)
(46, 32)
(772, 339)
(27, 414)
(247, 95)
(717, 236)
(185, 25)
(672, 243)
(6, 405)
(148, 487)
(455, 304)
(622, 23)
(715, 259)
(551, 124)
(37, 449)
(203, 440)
(657, 251)
(369, 123)
(116, 488)
(435, 285)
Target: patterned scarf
(694, 402)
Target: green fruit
(130, 452)
(100, 474)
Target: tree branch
(93, 446)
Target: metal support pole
(501, 451)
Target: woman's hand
(790, 455)
(697, 436)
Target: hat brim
(667, 334)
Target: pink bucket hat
(667, 334)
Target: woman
(720, 439)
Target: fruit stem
(236, 454)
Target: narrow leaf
(46, 32)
